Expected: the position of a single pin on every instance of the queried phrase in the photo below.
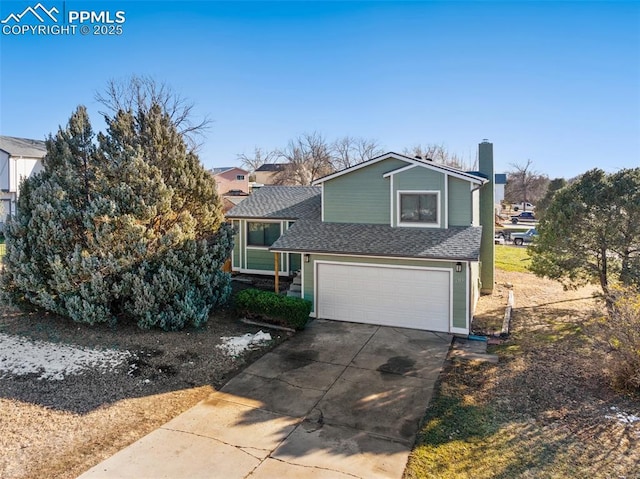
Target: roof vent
(428, 159)
(418, 157)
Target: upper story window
(262, 234)
(239, 177)
(419, 208)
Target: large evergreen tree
(128, 229)
(590, 232)
(552, 188)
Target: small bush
(271, 307)
(623, 335)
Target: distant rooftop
(272, 167)
(501, 178)
(222, 169)
(23, 147)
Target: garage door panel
(391, 296)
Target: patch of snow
(623, 417)
(21, 356)
(234, 345)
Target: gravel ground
(72, 395)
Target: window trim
(246, 236)
(436, 224)
(240, 177)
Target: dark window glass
(262, 234)
(419, 208)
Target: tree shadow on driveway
(343, 397)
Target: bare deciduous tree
(348, 151)
(525, 184)
(259, 158)
(439, 154)
(310, 156)
(138, 93)
(306, 158)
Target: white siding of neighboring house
(499, 194)
(12, 170)
(22, 168)
(6, 198)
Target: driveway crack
(316, 467)
(279, 378)
(240, 448)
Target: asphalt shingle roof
(314, 236)
(23, 147)
(280, 202)
(221, 169)
(271, 167)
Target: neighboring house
(19, 158)
(231, 180)
(232, 185)
(266, 174)
(393, 241)
(500, 182)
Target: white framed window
(262, 234)
(419, 209)
(239, 177)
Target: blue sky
(554, 82)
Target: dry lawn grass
(59, 429)
(546, 410)
(40, 442)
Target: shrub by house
(274, 308)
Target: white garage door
(403, 297)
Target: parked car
(523, 206)
(524, 216)
(522, 238)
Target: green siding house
(394, 241)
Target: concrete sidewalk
(339, 400)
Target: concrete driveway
(339, 400)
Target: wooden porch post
(276, 256)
